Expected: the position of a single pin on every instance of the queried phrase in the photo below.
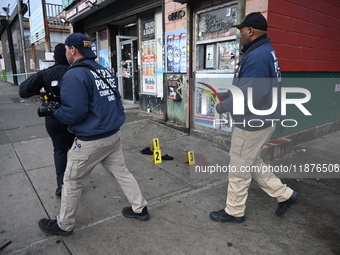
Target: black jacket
(42, 79)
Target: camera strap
(94, 70)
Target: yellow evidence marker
(155, 144)
(157, 156)
(190, 158)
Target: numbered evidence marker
(155, 144)
(190, 158)
(157, 156)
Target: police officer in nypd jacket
(259, 70)
(91, 106)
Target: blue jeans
(62, 141)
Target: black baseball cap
(59, 54)
(82, 43)
(255, 20)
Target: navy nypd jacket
(88, 105)
(258, 69)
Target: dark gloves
(53, 107)
(48, 109)
(51, 111)
(220, 109)
(224, 95)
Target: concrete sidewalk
(179, 204)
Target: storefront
(174, 57)
(201, 55)
(127, 38)
(170, 58)
(215, 60)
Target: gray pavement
(179, 200)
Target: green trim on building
(324, 104)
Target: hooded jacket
(42, 79)
(259, 69)
(88, 105)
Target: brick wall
(257, 6)
(306, 34)
(171, 7)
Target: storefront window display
(104, 51)
(216, 23)
(176, 51)
(216, 58)
(148, 44)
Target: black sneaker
(222, 216)
(129, 213)
(284, 206)
(147, 151)
(50, 226)
(58, 190)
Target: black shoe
(50, 226)
(129, 213)
(167, 157)
(222, 216)
(147, 151)
(58, 190)
(284, 206)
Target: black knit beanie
(59, 54)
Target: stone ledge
(278, 147)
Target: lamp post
(21, 25)
(47, 31)
(10, 46)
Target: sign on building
(37, 27)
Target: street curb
(278, 147)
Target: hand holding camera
(48, 109)
(51, 101)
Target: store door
(127, 68)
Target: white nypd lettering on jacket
(102, 87)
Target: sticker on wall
(176, 51)
(207, 95)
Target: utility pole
(10, 46)
(47, 30)
(21, 25)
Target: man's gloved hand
(51, 111)
(220, 109)
(48, 110)
(224, 95)
(53, 107)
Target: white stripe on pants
(246, 147)
(82, 158)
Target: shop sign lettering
(176, 15)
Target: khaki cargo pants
(246, 147)
(82, 158)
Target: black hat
(82, 43)
(59, 54)
(255, 20)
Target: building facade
(28, 41)
(173, 57)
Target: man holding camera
(91, 106)
(49, 79)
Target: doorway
(128, 68)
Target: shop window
(216, 47)
(129, 29)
